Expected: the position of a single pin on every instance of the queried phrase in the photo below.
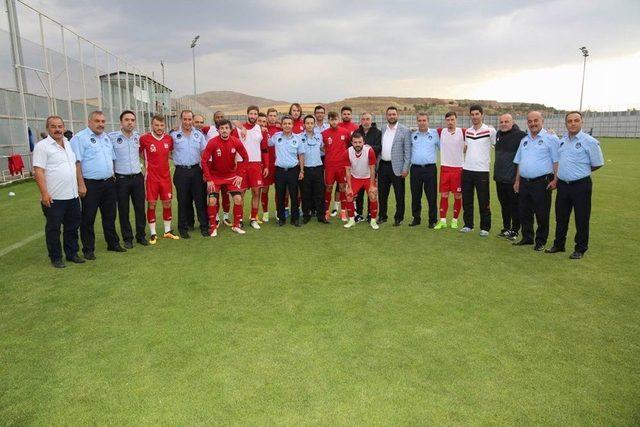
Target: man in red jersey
(155, 147)
(347, 113)
(220, 171)
(295, 111)
(360, 160)
(336, 141)
(272, 127)
(256, 168)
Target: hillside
(232, 102)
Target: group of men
(309, 159)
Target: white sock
(152, 228)
(336, 206)
(443, 219)
(167, 226)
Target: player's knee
(444, 195)
(166, 203)
(237, 199)
(458, 195)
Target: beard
(392, 121)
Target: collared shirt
(320, 128)
(127, 152)
(577, 155)
(187, 149)
(479, 142)
(387, 142)
(95, 154)
(535, 156)
(287, 149)
(311, 147)
(424, 147)
(59, 166)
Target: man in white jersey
(479, 139)
(360, 164)
(451, 159)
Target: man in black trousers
(95, 155)
(508, 140)
(312, 185)
(373, 138)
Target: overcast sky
(328, 50)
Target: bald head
(534, 122)
(506, 122)
(198, 121)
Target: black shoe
(117, 249)
(358, 218)
(413, 223)
(323, 221)
(296, 223)
(204, 233)
(382, 220)
(191, 227)
(184, 235)
(128, 245)
(397, 223)
(57, 263)
(576, 255)
(76, 259)
(554, 250)
(306, 220)
(512, 235)
(432, 224)
(89, 256)
(503, 233)
(281, 222)
(538, 247)
(523, 243)
(142, 241)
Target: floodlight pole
(585, 53)
(193, 51)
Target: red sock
(254, 213)
(226, 204)
(457, 204)
(237, 215)
(373, 209)
(264, 198)
(343, 199)
(212, 211)
(444, 206)
(350, 209)
(151, 216)
(327, 199)
(166, 214)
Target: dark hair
(346, 108)
(308, 116)
(318, 107)
(572, 112)
(423, 114)
(356, 134)
(183, 112)
(127, 112)
(332, 115)
(158, 118)
(286, 117)
(392, 108)
(451, 113)
(252, 108)
(225, 122)
(262, 115)
(295, 104)
(272, 110)
(476, 107)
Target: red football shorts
(358, 184)
(251, 173)
(227, 184)
(450, 179)
(334, 174)
(157, 189)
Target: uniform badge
(178, 135)
(93, 140)
(119, 140)
(196, 136)
(166, 145)
(525, 143)
(233, 151)
(152, 148)
(430, 137)
(304, 139)
(342, 137)
(279, 139)
(561, 143)
(540, 142)
(578, 145)
(219, 152)
(329, 140)
(415, 137)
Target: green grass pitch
(323, 325)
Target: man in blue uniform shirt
(537, 160)
(425, 144)
(129, 179)
(289, 168)
(188, 143)
(95, 155)
(313, 182)
(579, 155)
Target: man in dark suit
(373, 138)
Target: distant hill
(232, 102)
(235, 103)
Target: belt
(312, 167)
(188, 167)
(577, 181)
(536, 179)
(99, 180)
(423, 166)
(121, 175)
(287, 169)
(385, 161)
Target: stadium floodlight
(585, 53)
(193, 51)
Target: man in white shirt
(479, 139)
(57, 175)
